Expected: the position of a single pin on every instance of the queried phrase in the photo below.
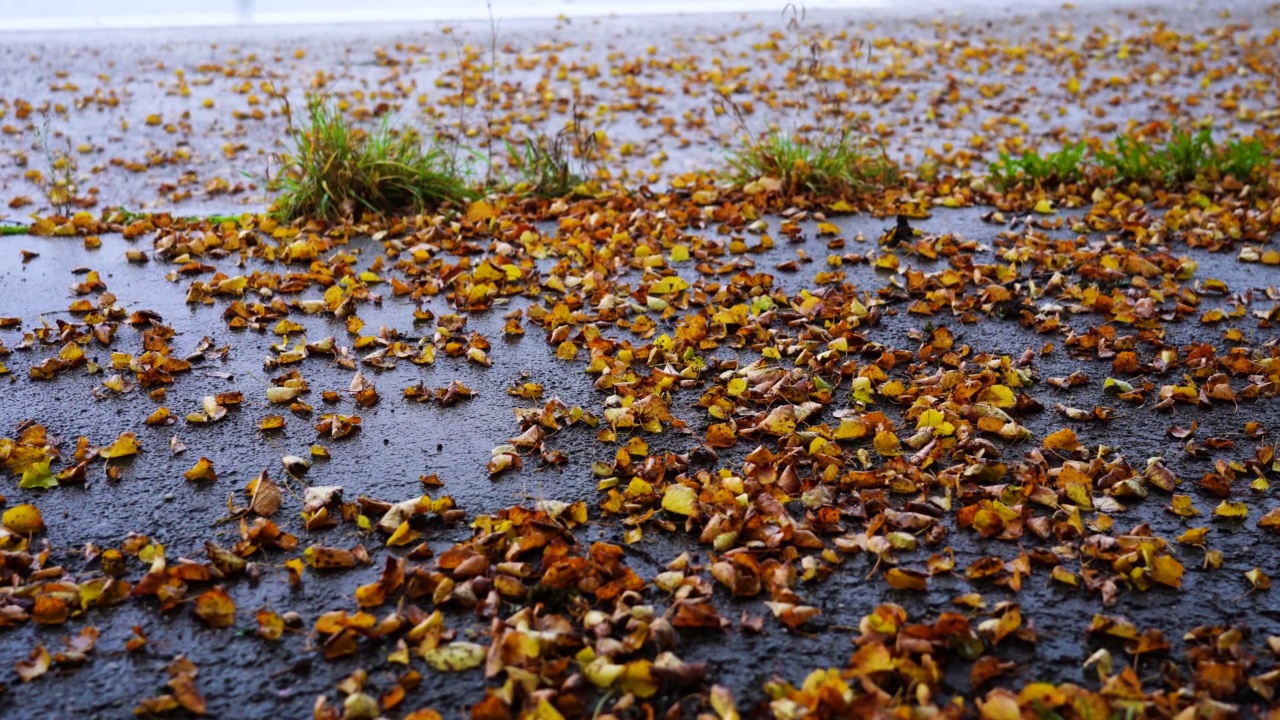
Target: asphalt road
(190, 121)
(244, 677)
(399, 440)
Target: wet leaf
(903, 579)
(270, 624)
(216, 608)
(35, 666)
(124, 446)
(201, 471)
(1258, 579)
(680, 499)
(455, 656)
(1063, 440)
(264, 495)
(23, 519)
(1231, 510)
(38, 476)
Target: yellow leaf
(602, 673)
(680, 499)
(1231, 510)
(280, 395)
(1065, 576)
(850, 429)
(1045, 694)
(780, 421)
(934, 419)
(637, 677)
(1182, 506)
(723, 703)
(1000, 396)
(203, 470)
(1194, 536)
(668, 285)
(862, 391)
(1064, 440)
(329, 558)
(455, 656)
(1166, 570)
(479, 210)
(124, 446)
(1000, 704)
(545, 711)
(23, 519)
(887, 444)
(1258, 579)
(900, 579)
(403, 535)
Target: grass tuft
(553, 166)
(337, 171)
(835, 166)
(1058, 167)
(1244, 159)
(1186, 156)
(1130, 160)
(1183, 159)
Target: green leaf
(38, 476)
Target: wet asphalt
(244, 677)
(400, 440)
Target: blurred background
(87, 14)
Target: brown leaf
(182, 680)
(265, 495)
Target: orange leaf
(216, 608)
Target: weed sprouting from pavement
(1186, 155)
(340, 171)
(1183, 159)
(1130, 160)
(832, 161)
(545, 166)
(490, 93)
(60, 186)
(1063, 165)
(1244, 159)
(831, 166)
(555, 165)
